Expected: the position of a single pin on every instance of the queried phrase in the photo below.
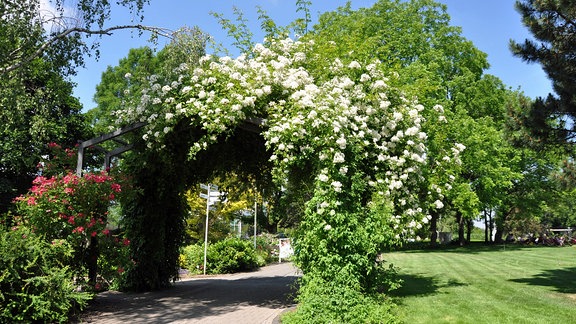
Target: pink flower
(106, 231)
(126, 242)
(38, 180)
(70, 178)
(78, 229)
(93, 234)
(31, 201)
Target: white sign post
(255, 217)
(211, 197)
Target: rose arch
(339, 126)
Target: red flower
(126, 242)
(120, 270)
(31, 201)
(93, 234)
(116, 187)
(106, 231)
(70, 178)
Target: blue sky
(489, 24)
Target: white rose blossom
(345, 120)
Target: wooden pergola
(250, 124)
(108, 155)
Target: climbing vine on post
(361, 139)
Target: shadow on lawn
(470, 248)
(562, 280)
(419, 285)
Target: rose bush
(66, 206)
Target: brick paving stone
(240, 298)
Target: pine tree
(553, 25)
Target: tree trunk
(434, 229)
(92, 262)
(486, 227)
(500, 221)
(469, 228)
(460, 221)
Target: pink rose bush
(66, 206)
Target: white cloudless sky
(489, 24)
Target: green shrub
(330, 302)
(231, 255)
(226, 256)
(193, 258)
(267, 248)
(35, 284)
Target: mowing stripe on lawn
(479, 284)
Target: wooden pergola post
(103, 138)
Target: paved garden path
(251, 298)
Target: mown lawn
(487, 284)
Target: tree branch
(108, 31)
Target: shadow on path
(195, 299)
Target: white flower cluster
(340, 123)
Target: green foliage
(36, 283)
(155, 226)
(413, 38)
(232, 255)
(267, 249)
(238, 31)
(36, 107)
(32, 31)
(40, 48)
(340, 122)
(65, 206)
(552, 25)
(328, 301)
(123, 84)
(193, 258)
(227, 256)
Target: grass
(487, 284)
